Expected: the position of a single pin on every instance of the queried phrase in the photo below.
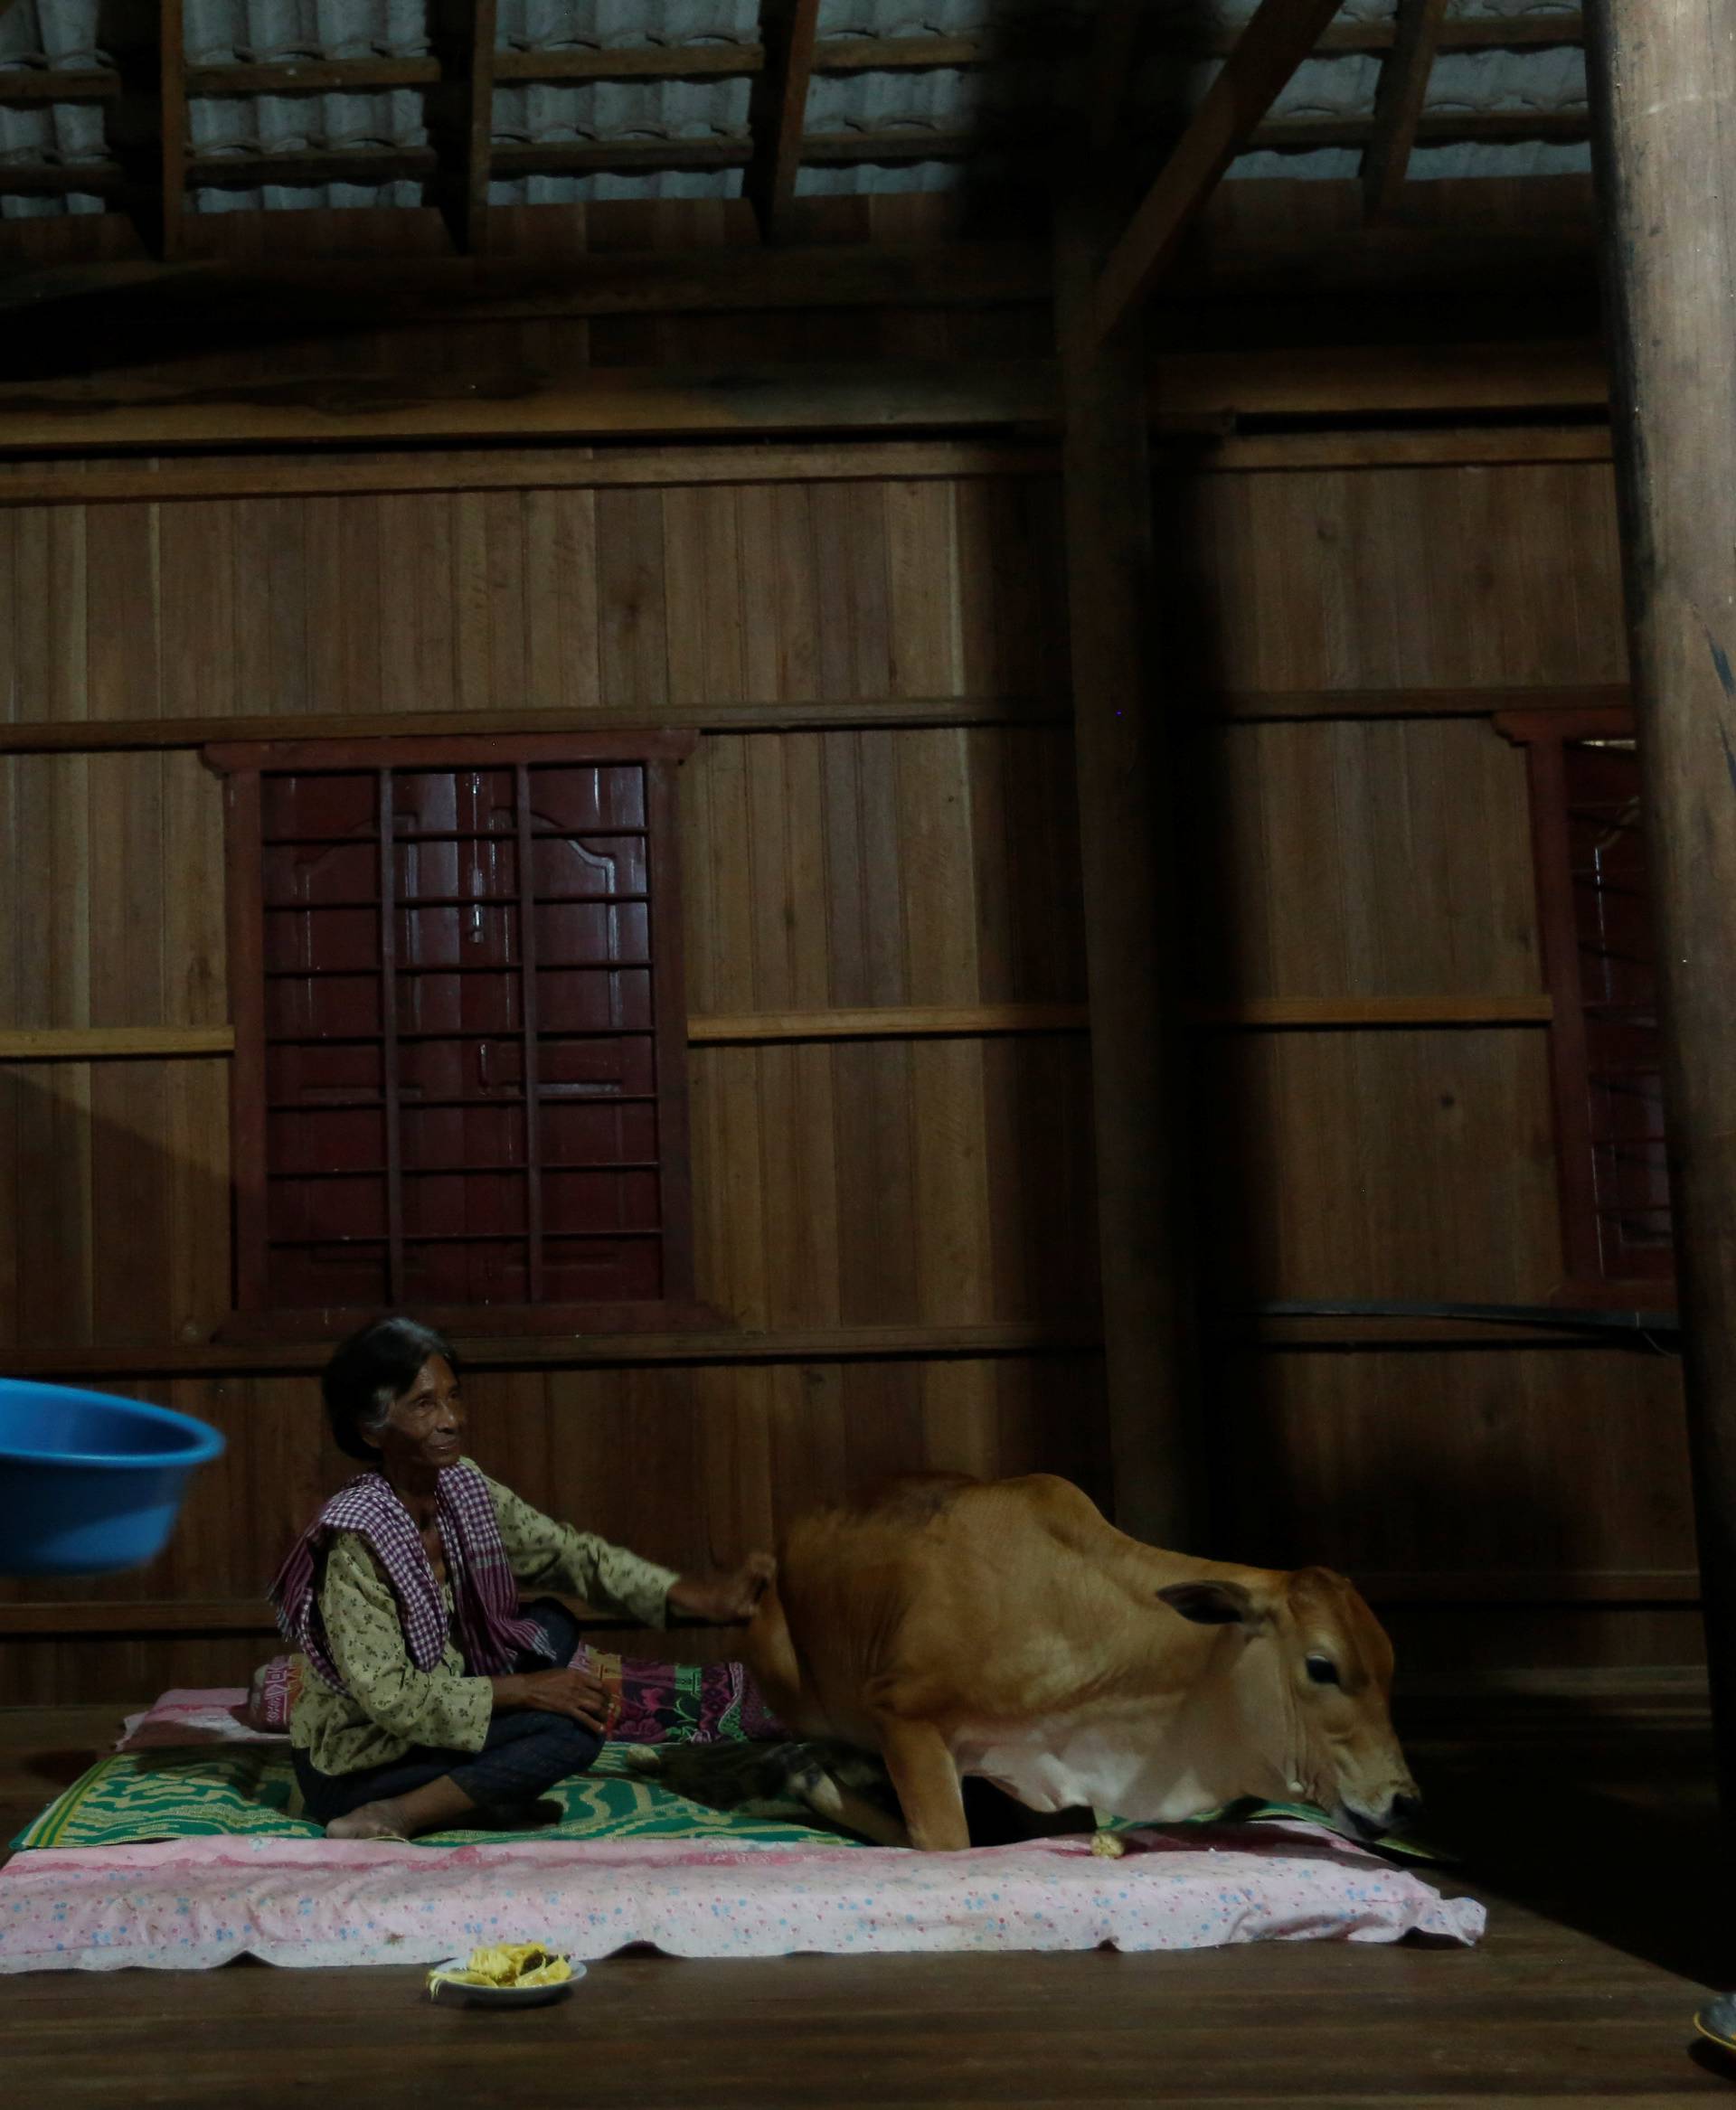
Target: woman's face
(425, 1424)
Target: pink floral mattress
(192, 1904)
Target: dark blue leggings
(524, 1754)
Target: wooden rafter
(1398, 103)
(1268, 52)
(1108, 71)
(173, 124)
(788, 30)
(148, 128)
(28, 89)
(385, 293)
(463, 115)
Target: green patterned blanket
(136, 1796)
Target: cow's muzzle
(1400, 1814)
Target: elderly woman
(436, 1696)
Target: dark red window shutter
(458, 1008)
(1594, 907)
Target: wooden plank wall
(1538, 1494)
(927, 1183)
(1530, 1504)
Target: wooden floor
(1594, 1846)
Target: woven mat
(132, 1797)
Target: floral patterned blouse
(391, 1704)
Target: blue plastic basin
(90, 1483)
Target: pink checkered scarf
(485, 1590)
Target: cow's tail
(771, 1656)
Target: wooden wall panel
(1390, 1163)
(1363, 858)
(1472, 1463)
(1398, 577)
(944, 1181)
(856, 869)
(643, 600)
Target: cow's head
(1333, 1665)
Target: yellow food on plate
(508, 1965)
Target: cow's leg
(926, 1780)
(828, 1798)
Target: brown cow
(1005, 1629)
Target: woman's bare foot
(371, 1821)
(441, 1803)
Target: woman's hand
(572, 1692)
(724, 1599)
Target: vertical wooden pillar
(1128, 767)
(1662, 76)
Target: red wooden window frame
(265, 1187)
(1603, 1268)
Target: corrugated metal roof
(554, 25)
(622, 109)
(227, 32)
(60, 34)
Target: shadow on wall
(119, 1203)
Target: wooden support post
(1121, 28)
(464, 127)
(1398, 103)
(1663, 77)
(148, 129)
(788, 30)
(1130, 909)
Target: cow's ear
(1212, 1604)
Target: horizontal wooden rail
(118, 412)
(922, 1021)
(1452, 446)
(112, 1043)
(842, 714)
(140, 1616)
(912, 1343)
(83, 736)
(885, 1022)
(1196, 391)
(1270, 1333)
(100, 1615)
(1517, 1588)
(1331, 1013)
(541, 468)
(1274, 706)
(1560, 1585)
(187, 480)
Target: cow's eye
(1323, 1670)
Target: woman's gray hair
(371, 1370)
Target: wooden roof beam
(778, 112)
(1267, 53)
(1109, 71)
(461, 117)
(22, 88)
(379, 165)
(27, 86)
(1398, 103)
(148, 133)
